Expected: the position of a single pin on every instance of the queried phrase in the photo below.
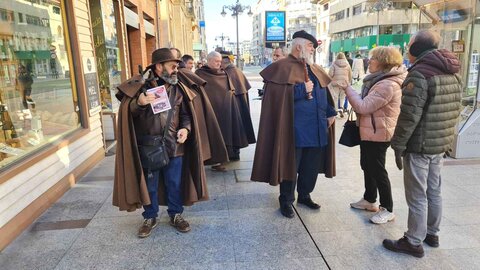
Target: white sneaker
(364, 205)
(382, 216)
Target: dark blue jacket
(310, 115)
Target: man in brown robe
(296, 132)
(241, 85)
(230, 104)
(183, 180)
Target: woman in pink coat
(377, 109)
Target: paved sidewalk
(240, 227)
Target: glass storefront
(458, 24)
(37, 103)
(107, 52)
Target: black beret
(305, 35)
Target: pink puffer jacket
(383, 102)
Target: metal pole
(238, 48)
(378, 27)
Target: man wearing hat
(424, 132)
(296, 137)
(182, 180)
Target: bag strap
(170, 115)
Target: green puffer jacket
(430, 107)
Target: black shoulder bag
(152, 149)
(351, 133)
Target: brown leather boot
(147, 227)
(179, 223)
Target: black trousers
(310, 162)
(372, 161)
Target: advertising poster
(275, 26)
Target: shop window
(37, 106)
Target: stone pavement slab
(240, 227)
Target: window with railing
(357, 10)
(338, 16)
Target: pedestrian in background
(377, 109)
(24, 85)
(296, 132)
(425, 131)
(188, 61)
(279, 53)
(339, 71)
(358, 71)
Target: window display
(36, 93)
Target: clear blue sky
(215, 24)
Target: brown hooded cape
(241, 87)
(274, 159)
(222, 95)
(214, 151)
(130, 189)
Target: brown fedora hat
(161, 56)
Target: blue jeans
(172, 176)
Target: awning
(24, 55)
(30, 55)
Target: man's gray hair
(299, 41)
(213, 54)
(427, 37)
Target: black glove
(398, 159)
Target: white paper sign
(161, 102)
(10, 150)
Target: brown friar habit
(274, 159)
(222, 96)
(129, 188)
(213, 146)
(241, 86)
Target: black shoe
(402, 245)
(432, 240)
(287, 210)
(308, 202)
(235, 158)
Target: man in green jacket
(424, 132)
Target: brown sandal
(219, 168)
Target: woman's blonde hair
(340, 55)
(387, 56)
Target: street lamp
(237, 9)
(222, 38)
(380, 5)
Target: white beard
(305, 55)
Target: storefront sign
(275, 26)
(458, 46)
(91, 84)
